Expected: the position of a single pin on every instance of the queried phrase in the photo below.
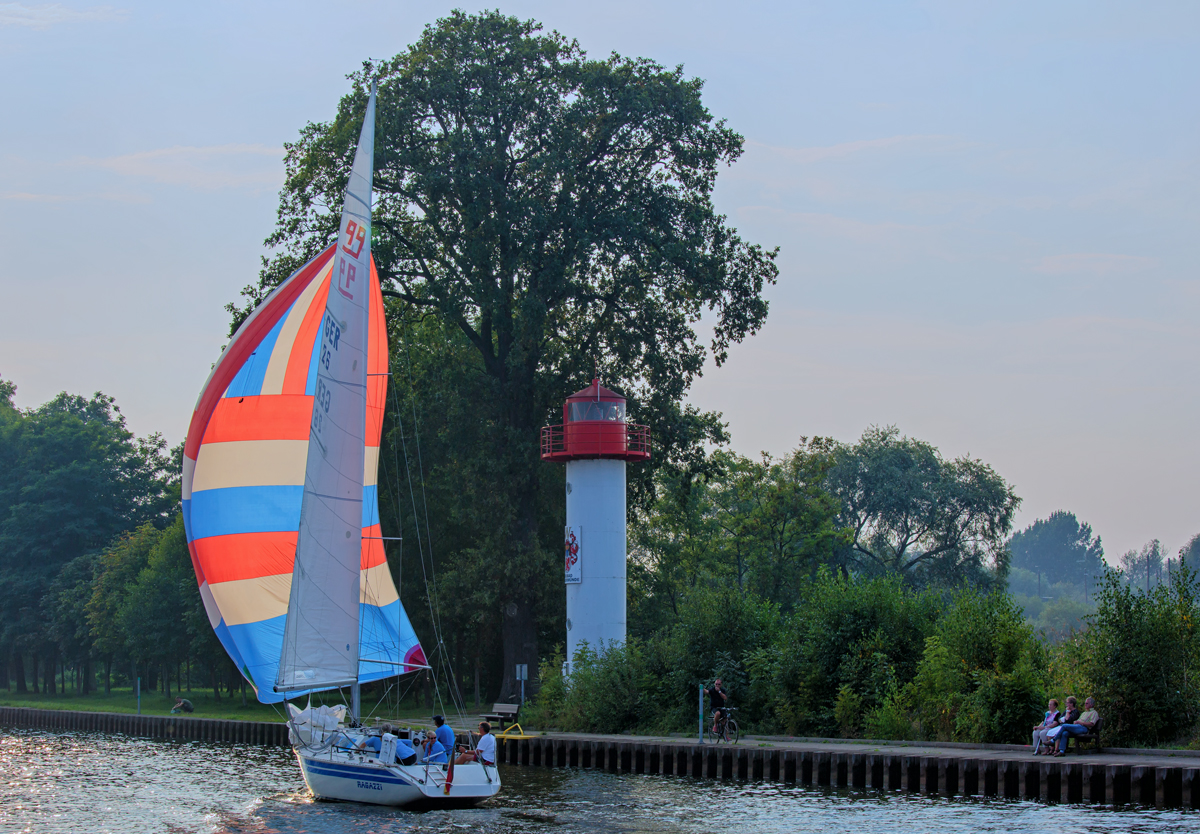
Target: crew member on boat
(370, 743)
(445, 735)
(485, 748)
(404, 752)
(435, 753)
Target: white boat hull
(355, 777)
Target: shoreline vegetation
(877, 659)
(749, 571)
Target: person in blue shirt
(404, 753)
(435, 753)
(369, 743)
(445, 735)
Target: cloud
(1088, 263)
(208, 168)
(45, 16)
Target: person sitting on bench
(1081, 727)
(1052, 719)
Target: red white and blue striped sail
(253, 460)
(243, 482)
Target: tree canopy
(556, 211)
(72, 477)
(1059, 547)
(912, 512)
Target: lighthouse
(595, 442)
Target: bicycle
(726, 728)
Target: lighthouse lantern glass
(591, 410)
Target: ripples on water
(79, 782)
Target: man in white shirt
(485, 748)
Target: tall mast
(321, 636)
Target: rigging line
(394, 486)
(426, 544)
(417, 527)
(455, 695)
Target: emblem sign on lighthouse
(595, 442)
(573, 569)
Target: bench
(1091, 739)
(501, 713)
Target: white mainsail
(320, 642)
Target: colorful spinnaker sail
(248, 449)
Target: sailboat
(281, 512)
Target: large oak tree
(557, 211)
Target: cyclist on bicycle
(720, 697)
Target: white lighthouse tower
(595, 442)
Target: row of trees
(886, 506)
(99, 583)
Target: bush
(861, 634)
(1141, 658)
(982, 674)
(651, 685)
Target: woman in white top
(1053, 719)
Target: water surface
(77, 782)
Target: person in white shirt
(485, 748)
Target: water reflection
(71, 782)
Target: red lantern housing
(594, 427)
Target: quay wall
(1092, 779)
(181, 727)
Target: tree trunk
(166, 673)
(476, 681)
(519, 637)
(51, 667)
(19, 672)
(108, 675)
(518, 633)
(4, 668)
(243, 692)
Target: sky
(987, 214)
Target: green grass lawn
(155, 703)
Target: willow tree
(557, 211)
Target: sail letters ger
(320, 645)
